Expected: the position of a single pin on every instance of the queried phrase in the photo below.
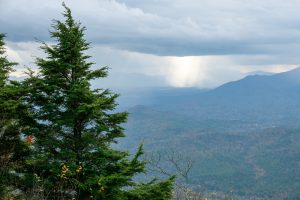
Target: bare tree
(173, 162)
(177, 163)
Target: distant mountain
(257, 90)
(272, 98)
(243, 136)
(253, 97)
(256, 84)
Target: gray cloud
(166, 42)
(165, 27)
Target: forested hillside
(243, 136)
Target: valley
(243, 136)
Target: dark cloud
(194, 28)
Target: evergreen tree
(12, 117)
(75, 127)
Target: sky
(159, 43)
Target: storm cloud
(186, 43)
(174, 28)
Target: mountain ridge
(243, 136)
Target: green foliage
(250, 159)
(5, 65)
(12, 116)
(152, 190)
(75, 127)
